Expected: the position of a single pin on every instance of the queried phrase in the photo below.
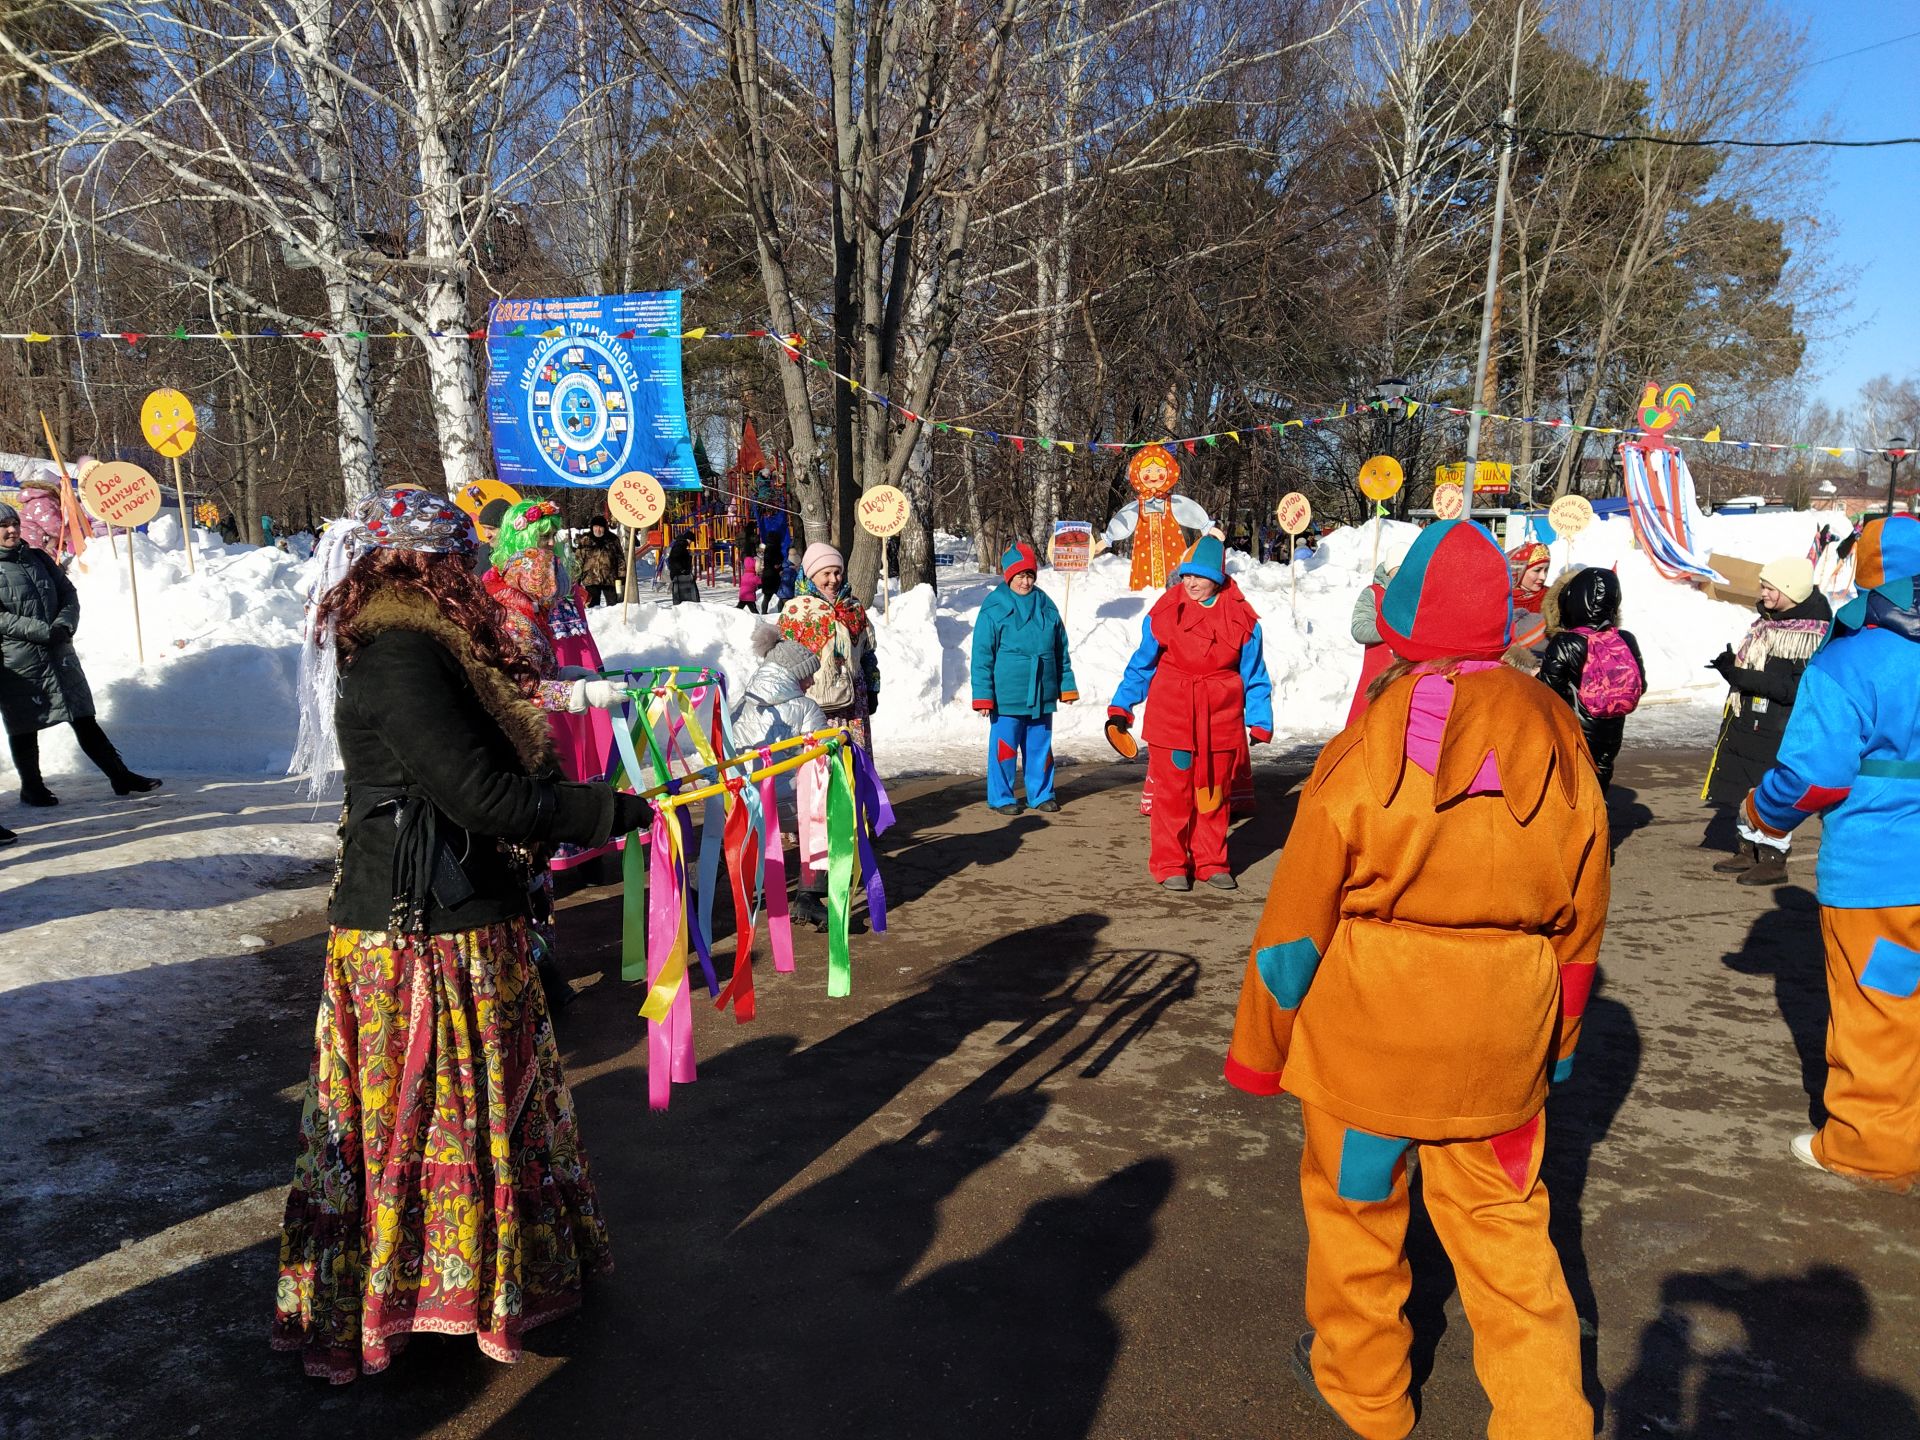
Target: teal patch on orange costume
(1367, 1165)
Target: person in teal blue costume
(1021, 675)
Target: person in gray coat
(41, 682)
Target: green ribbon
(633, 910)
(840, 858)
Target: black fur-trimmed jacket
(421, 717)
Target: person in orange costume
(1417, 1009)
(1201, 669)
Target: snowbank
(216, 694)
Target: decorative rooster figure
(1657, 416)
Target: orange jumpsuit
(1427, 950)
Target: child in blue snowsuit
(1021, 673)
(1851, 754)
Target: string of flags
(793, 346)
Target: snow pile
(217, 691)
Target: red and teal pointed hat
(1452, 596)
(1886, 560)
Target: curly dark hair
(444, 581)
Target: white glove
(599, 694)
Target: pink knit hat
(821, 556)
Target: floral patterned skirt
(441, 1184)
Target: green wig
(521, 529)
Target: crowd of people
(442, 1182)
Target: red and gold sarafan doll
(1156, 519)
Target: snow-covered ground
(216, 694)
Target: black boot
(1769, 869)
(7, 837)
(1738, 863)
(808, 909)
(99, 749)
(26, 759)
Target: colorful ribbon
(840, 861)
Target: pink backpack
(1611, 683)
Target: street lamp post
(1393, 393)
(1896, 452)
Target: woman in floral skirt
(441, 1184)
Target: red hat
(1019, 557)
(1451, 597)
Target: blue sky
(1871, 217)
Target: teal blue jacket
(1020, 662)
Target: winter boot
(1769, 869)
(1302, 1359)
(26, 760)
(128, 783)
(809, 909)
(1223, 880)
(1010, 809)
(1048, 806)
(7, 837)
(1738, 863)
(1176, 882)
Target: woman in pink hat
(848, 685)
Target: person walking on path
(596, 556)
(441, 1184)
(1412, 1007)
(1592, 664)
(749, 581)
(41, 681)
(1201, 669)
(1763, 681)
(1021, 675)
(848, 686)
(685, 590)
(1851, 754)
(773, 568)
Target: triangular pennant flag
(1189, 446)
(696, 334)
(1413, 408)
(1067, 445)
(1019, 445)
(36, 338)
(1045, 443)
(1712, 437)
(179, 332)
(1234, 435)
(1212, 441)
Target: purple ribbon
(873, 814)
(693, 908)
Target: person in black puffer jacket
(1764, 678)
(686, 589)
(41, 682)
(1582, 615)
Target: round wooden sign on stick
(884, 511)
(1381, 478)
(120, 493)
(476, 495)
(1570, 514)
(1448, 502)
(1295, 512)
(168, 422)
(636, 499)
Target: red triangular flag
(1187, 445)
(1018, 444)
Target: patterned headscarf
(807, 620)
(414, 519)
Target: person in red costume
(1201, 670)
